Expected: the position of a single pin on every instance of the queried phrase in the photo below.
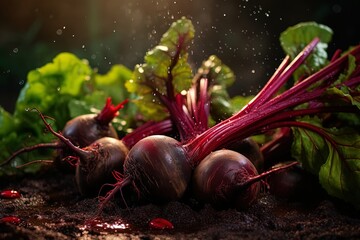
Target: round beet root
(219, 179)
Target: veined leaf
(332, 154)
(297, 37)
(166, 71)
(340, 174)
(309, 148)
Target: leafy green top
(62, 89)
(297, 37)
(165, 73)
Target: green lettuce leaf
(7, 123)
(62, 89)
(50, 88)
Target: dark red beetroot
(95, 167)
(81, 131)
(251, 150)
(159, 168)
(295, 184)
(97, 162)
(267, 111)
(85, 129)
(219, 177)
(226, 178)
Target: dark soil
(51, 208)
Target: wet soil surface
(51, 208)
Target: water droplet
(15, 50)
(336, 8)
(253, 71)
(59, 32)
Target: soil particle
(51, 208)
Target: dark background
(243, 33)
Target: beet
(295, 185)
(251, 150)
(80, 131)
(95, 169)
(219, 178)
(159, 168)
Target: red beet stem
(147, 129)
(256, 117)
(82, 153)
(263, 175)
(109, 112)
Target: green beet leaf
(340, 174)
(166, 71)
(333, 155)
(220, 77)
(216, 72)
(295, 38)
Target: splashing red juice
(161, 224)
(10, 219)
(10, 194)
(101, 226)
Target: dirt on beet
(50, 207)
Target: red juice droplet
(10, 219)
(160, 223)
(10, 194)
(99, 225)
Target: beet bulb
(226, 178)
(81, 131)
(96, 162)
(85, 129)
(96, 166)
(159, 168)
(219, 177)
